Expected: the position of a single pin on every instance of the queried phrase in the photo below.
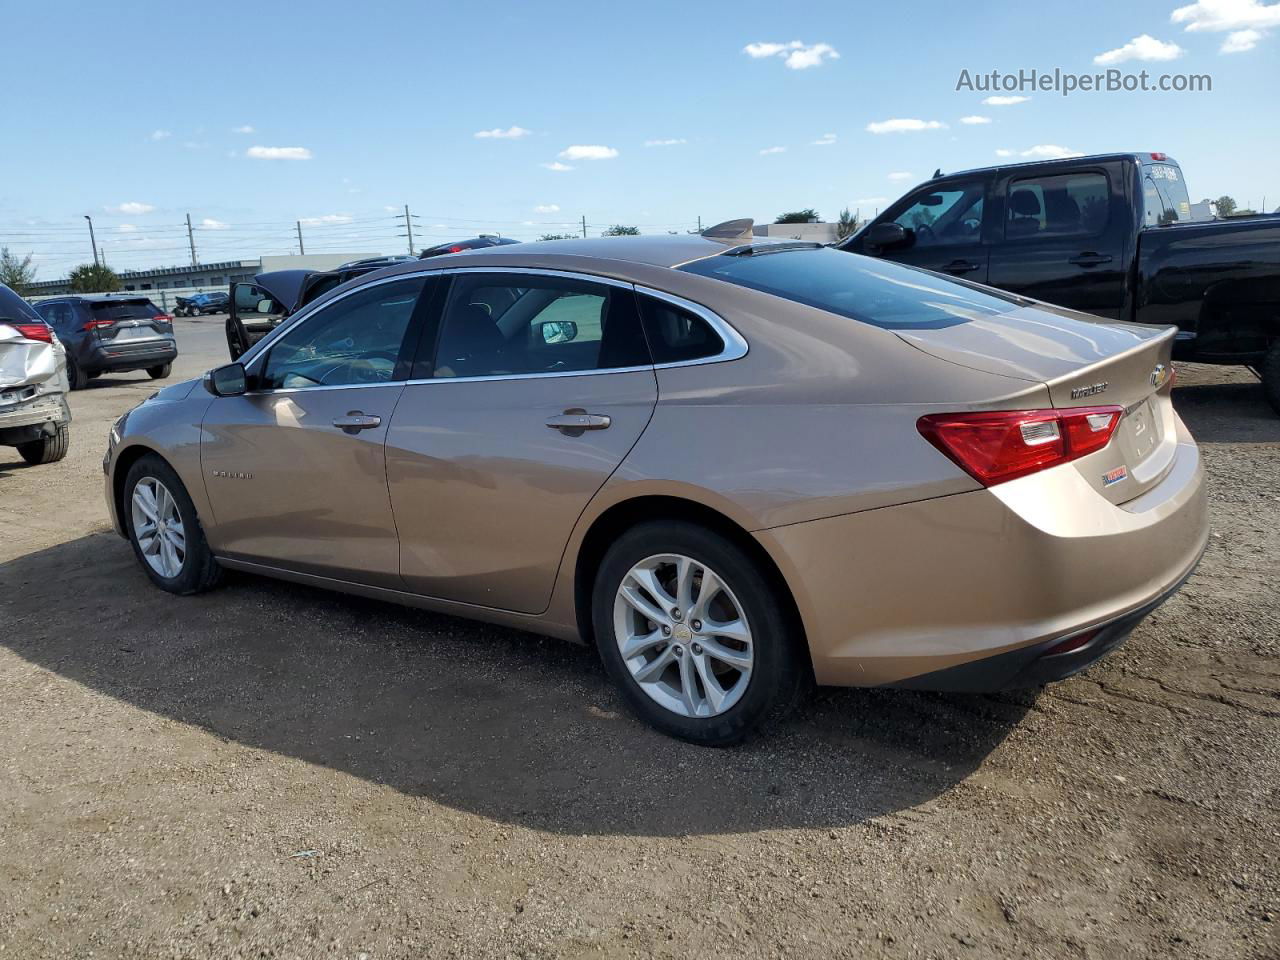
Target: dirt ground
(272, 771)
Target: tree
(807, 215)
(618, 230)
(847, 224)
(559, 236)
(16, 274)
(1226, 206)
(94, 278)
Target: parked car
(1111, 235)
(461, 246)
(200, 304)
(111, 333)
(34, 416)
(734, 464)
(257, 308)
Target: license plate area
(1141, 431)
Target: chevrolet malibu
(736, 466)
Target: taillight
(456, 249)
(163, 317)
(96, 324)
(996, 446)
(1159, 156)
(34, 331)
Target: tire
(47, 449)
(779, 669)
(94, 375)
(76, 378)
(1270, 375)
(159, 372)
(197, 571)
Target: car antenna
(937, 173)
(730, 230)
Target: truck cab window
(1056, 206)
(949, 215)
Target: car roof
(106, 297)
(658, 250)
(1139, 157)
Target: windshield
(872, 291)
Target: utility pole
(191, 239)
(94, 243)
(699, 223)
(408, 228)
(301, 249)
(584, 226)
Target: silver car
(34, 416)
(735, 466)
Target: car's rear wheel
(76, 378)
(164, 529)
(159, 372)
(47, 449)
(695, 634)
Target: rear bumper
(989, 580)
(26, 421)
(131, 356)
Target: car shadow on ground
(1234, 412)
(495, 722)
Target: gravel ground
(272, 771)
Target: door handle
(1090, 259)
(574, 422)
(960, 266)
(355, 421)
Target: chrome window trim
(735, 346)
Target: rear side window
(677, 335)
(1060, 206)
(877, 292)
(116, 310)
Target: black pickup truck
(1110, 235)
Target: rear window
(124, 310)
(872, 291)
(1164, 194)
(13, 307)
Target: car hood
(174, 392)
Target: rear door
(1064, 237)
(531, 392)
(944, 224)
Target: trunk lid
(1084, 362)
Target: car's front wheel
(164, 529)
(695, 634)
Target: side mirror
(559, 331)
(266, 305)
(229, 380)
(885, 236)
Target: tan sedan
(734, 466)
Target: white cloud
(902, 175)
(1049, 151)
(1241, 40)
(1003, 101)
(557, 166)
(497, 133)
(1004, 153)
(278, 153)
(132, 208)
(126, 228)
(208, 223)
(390, 209)
(796, 55)
(1219, 16)
(244, 129)
(327, 218)
(160, 134)
(665, 143)
(588, 152)
(825, 140)
(771, 150)
(872, 200)
(974, 119)
(1143, 47)
(547, 208)
(904, 125)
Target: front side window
(252, 299)
(510, 324)
(354, 340)
(1057, 206)
(949, 215)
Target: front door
(537, 389)
(295, 468)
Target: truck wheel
(47, 449)
(1270, 373)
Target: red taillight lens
(34, 331)
(1002, 445)
(1159, 156)
(163, 317)
(456, 249)
(96, 324)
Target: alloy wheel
(683, 635)
(157, 526)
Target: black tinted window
(123, 310)
(952, 214)
(873, 291)
(13, 307)
(504, 324)
(1056, 206)
(675, 334)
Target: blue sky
(133, 113)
